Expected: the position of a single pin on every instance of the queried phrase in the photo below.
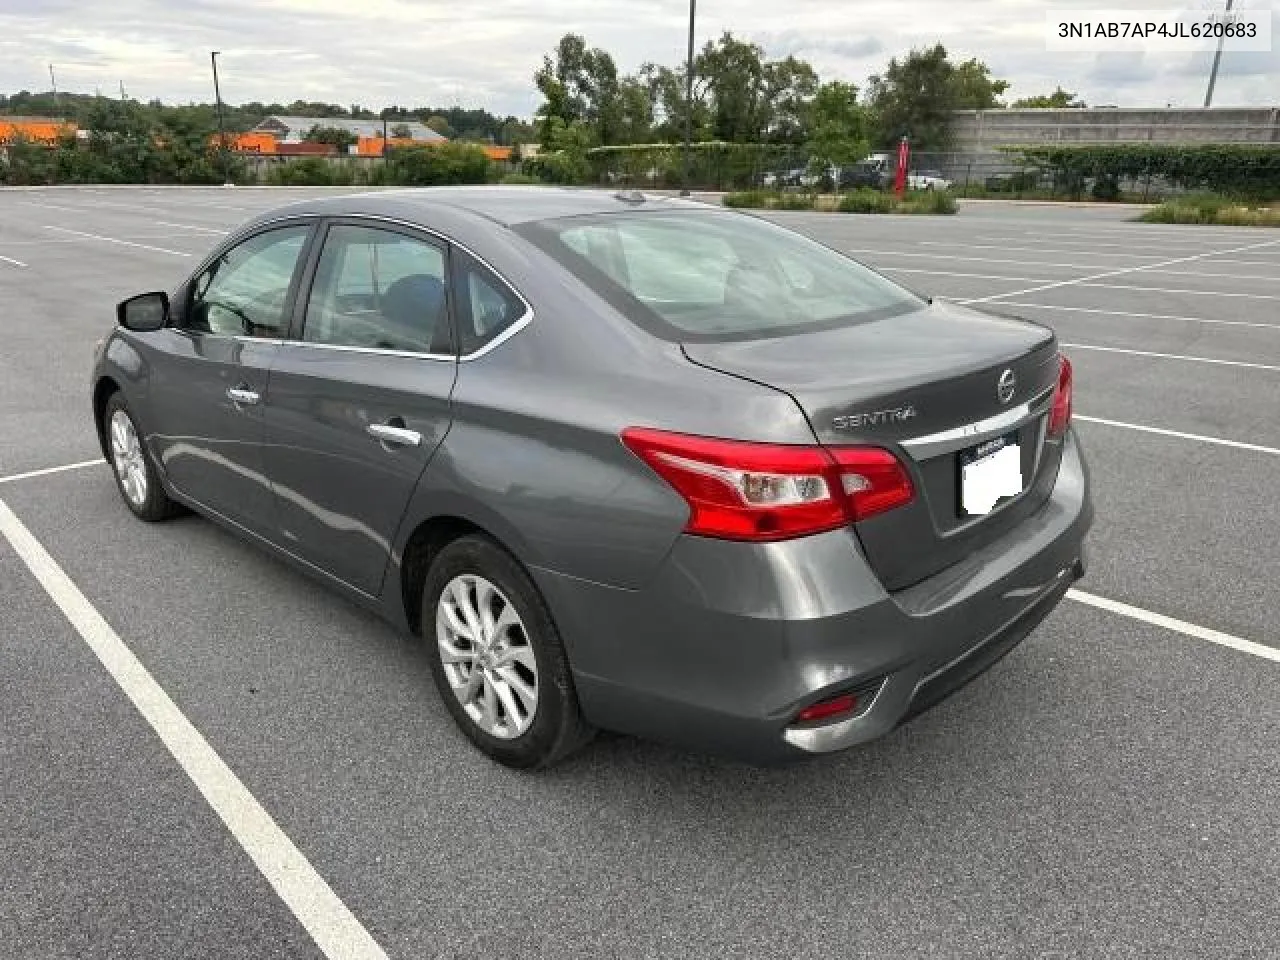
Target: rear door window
(379, 289)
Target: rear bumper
(731, 640)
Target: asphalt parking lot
(1108, 790)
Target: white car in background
(927, 180)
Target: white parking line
(1084, 282)
(48, 470)
(333, 927)
(1221, 276)
(126, 243)
(953, 244)
(1081, 282)
(1017, 242)
(1178, 626)
(1173, 356)
(949, 256)
(1160, 431)
(16, 263)
(944, 273)
(191, 226)
(1123, 270)
(1144, 316)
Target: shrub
(747, 198)
(514, 179)
(937, 202)
(1211, 208)
(448, 163)
(769, 200)
(309, 172)
(1244, 171)
(793, 201)
(867, 200)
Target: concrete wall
(981, 131)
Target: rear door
(207, 391)
(360, 395)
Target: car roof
(504, 205)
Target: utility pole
(222, 132)
(688, 104)
(54, 80)
(122, 96)
(1213, 73)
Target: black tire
(155, 505)
(557, 727)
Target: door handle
(399, 436)
(243, 396)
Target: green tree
(974, 88)
(790, 88)
(580, 84)
(337, 136)
(635, 110)
(917, 95)
(836, 125)
(440, 125)
(1058, 100)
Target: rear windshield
(717, 276)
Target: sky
(483, 53)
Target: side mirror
(145, 312)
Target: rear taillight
(766, 491)
(1060, 412)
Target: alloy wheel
(126, 457)
(487, 659)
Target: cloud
(484, 53)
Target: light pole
(222, 132)
(688, 104)
(1213, 73)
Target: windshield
(717, 276)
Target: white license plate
(990, 473)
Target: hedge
(712, 162)
(1246, 171)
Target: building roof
(295, 128)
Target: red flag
(904, 158)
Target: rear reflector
(766, 491)
(1060, 412)
(828, 709)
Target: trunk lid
(925, 385)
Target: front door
(360, 397)
(208, 396)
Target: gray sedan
(625, 462)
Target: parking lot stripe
(950, 256)
(1222, 276)
(1143, 428)
(333, 927)
(1179, 626)
(952, 244)
(1143, 316)
(944, 273)
(1115, 273)
(48, 470)
(16, 263)
(1177, 290)
(126, 243)
(1172, 356)
(191, 226)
